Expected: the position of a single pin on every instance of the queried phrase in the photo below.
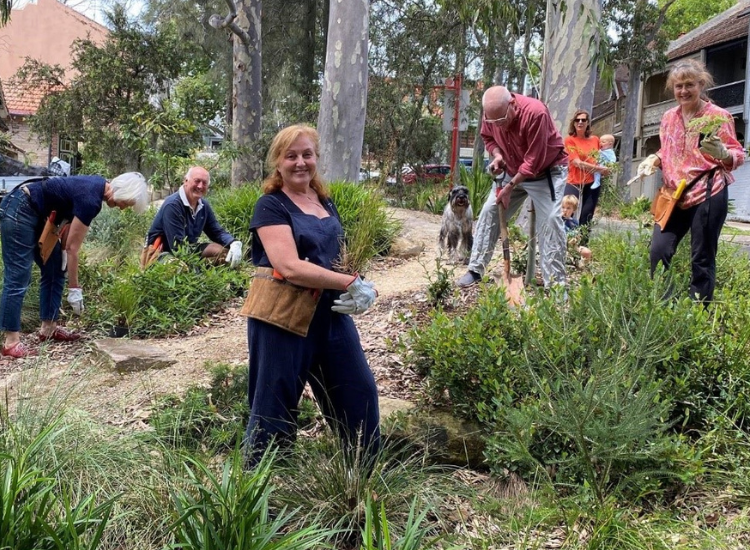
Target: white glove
(75, 299)
(648, 166)
(713, 147)
(234, 256)
(358, 298)
(64, 261)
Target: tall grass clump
(234, 207)
(121, 233)
(368, 229)
(336, 487)
(105, 485)
(231, 510)
(608, 392)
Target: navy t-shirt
(73, 196)
(317, 239)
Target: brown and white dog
(455, 230)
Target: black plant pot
(119, 331)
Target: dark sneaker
(469, 278)
(60, 335)
(18, 351)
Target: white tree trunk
(629, 123)
(343, 102)
(247, 94)
(568, 73)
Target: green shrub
(234, 207)
(172, 296)
(231, 510)
(368, 228)
(120, 232)
(212, 418)
(637, 209)
(642, 369)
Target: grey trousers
(550, 229)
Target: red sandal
(19, 351)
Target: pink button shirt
(681, 158)
(531, 143)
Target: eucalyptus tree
(685, 15)
(412, 48)
(243, 21)
(639, 42)
(571, 42)
(343, 97)
(5, 7)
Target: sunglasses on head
(581, 120)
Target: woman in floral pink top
(688, 154)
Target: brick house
(42, 30)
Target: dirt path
(125, 399)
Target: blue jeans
(20, 228)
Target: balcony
(728, 95)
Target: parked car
(434, 173)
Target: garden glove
(64, 261)
(713, 147)
(648, 166)
(358, 298)
(75, 299)
(234, 257)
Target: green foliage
(172, 296)
(376, 534)
(599, 392)
(368, 229)
(231, 510)
(440, 283)
(334, 483)
(234, 207)
(212, 418)
(707, 125)
(120, 232)
(637, 209)
(34, 511)
(479, 184)
(109, 103)
(685, 15)
(422, 196)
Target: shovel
(513, 284)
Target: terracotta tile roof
(725, 27)
(23, 101)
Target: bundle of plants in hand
(707, 125)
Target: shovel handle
(505, 238)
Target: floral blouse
(681, 158)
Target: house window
(68, 151)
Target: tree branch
(227, 22)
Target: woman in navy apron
(297, 232)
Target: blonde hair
(689, 69)
(607, 137)
(279, 146)
(570, 200)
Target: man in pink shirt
(522, 140)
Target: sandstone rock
(132, 355)
(403, 247)
(388, 406)
(448, 440)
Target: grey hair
(131, 187)
(187, 174)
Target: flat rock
(389, 405)
(403, 247)
(132, 355)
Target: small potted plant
(123, 299)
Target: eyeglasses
(501, 120)
(581, 120)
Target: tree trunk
(568, 73)
(629, 122)
(343, 102)
(307, 64)
(247, 99)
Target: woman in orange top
(582, 149)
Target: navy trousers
(331, 359)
